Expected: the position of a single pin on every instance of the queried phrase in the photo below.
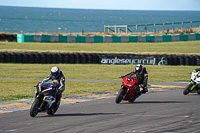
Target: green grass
(24, 88)
(95, 71)
(16, 89)
(182, 47)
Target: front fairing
(193, 75)
(195, 79)
(129, 83)
(46, 92)
(45, 88)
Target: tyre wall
(7, 37)
(106, 39)
(97, 58)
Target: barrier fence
(97, 58)
(8, 37)
(152, 27)
(106, 39)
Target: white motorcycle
(194, 85)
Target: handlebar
(122, 77)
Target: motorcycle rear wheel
(34, 108)
(198, 91)
(120, 96)
(53, 110)
(132, 99)
(187, 89)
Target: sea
(64, 20)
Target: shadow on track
(81, 114)
(141, 102)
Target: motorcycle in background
(194, 85)
(127, 91)
(45, 99)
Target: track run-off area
(164, 109)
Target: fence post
(172, 26)
(190, 24)
(115, 28)
(163, 26)
(104, 28)
(126, 28)
(154, 29)
(136, 28)
(181, 25)
(145, 28)
(108, 28)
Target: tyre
(132, 99)
(187, 60)
(174, 60)
(120, 96)
(88, 58)
(187, 89)
(7, 58)
(34, 108)
(48, 59)
(24, 58)
(198, 91)
(54, 108)
(72, 58)
(42, 58)
(66, 58)
(50, 112)
(169, 60)
(181, 60)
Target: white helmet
(55, 72)
(138, 67)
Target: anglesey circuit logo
(144, 60)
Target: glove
(128, 79)
(122, 77)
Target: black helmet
(138, 68)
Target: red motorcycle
(127, 91)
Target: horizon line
(94, 9)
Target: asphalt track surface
(161, 112)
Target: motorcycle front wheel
(120, 95)
(187, 89)
(34, 108)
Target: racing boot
(144, 90)
(137, 92)
(58, 97)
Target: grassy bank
(187, 47)
(12, 89)
(23, 88)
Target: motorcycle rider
(141, 76)
(197, 69)
(59, 79)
